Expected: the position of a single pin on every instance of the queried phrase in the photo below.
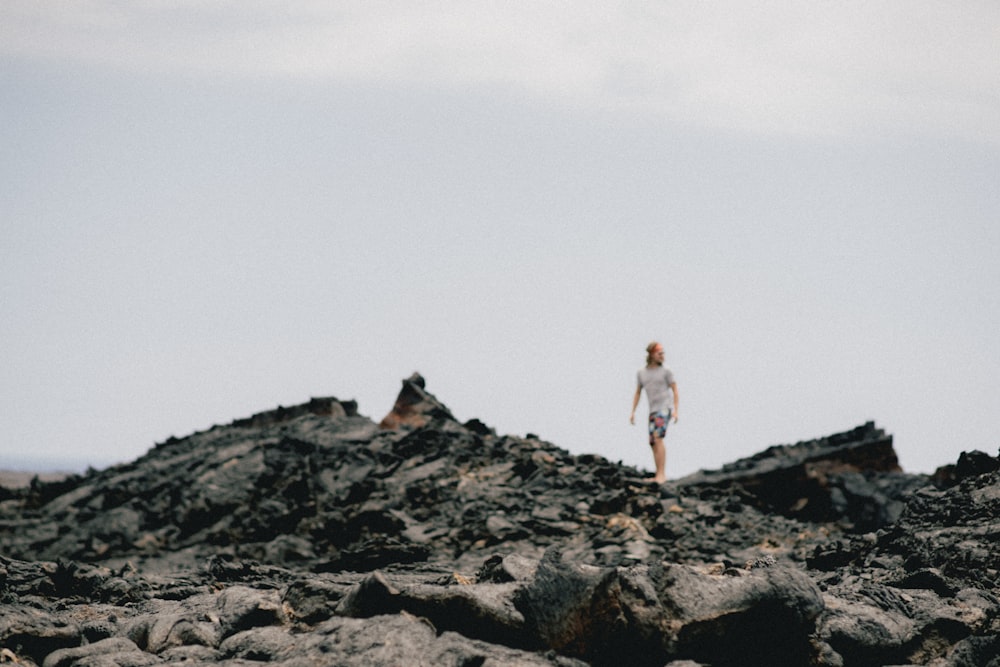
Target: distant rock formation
(414, 407)
(851, 476)
(311, 534)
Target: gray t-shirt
(656, 380)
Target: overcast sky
(212, 208)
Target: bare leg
(660, 459)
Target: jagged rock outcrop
(415, 406)
(312, 534)
(850, 477)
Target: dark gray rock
(851, 477)
(311, 534)
(111, 652)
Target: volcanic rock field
(311, 535)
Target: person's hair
(649, 352)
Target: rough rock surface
(313, 535)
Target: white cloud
(788, 67)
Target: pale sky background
(210, 208)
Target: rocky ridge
(313, 535)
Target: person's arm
(673, 388)
(635, 403)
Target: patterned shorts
(658, 425)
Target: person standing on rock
(661, 392)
